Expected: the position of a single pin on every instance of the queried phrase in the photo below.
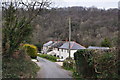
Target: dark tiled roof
(94, 47)
(73, 45)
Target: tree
(14, 32)
(106, 43)
(17, 28)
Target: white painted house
(46, 47)
(55, 48)
(63, 51)
(61, 48)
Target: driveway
(50, 69)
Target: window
(57, 55)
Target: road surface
(50, 69)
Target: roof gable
(73, 45)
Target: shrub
(49, 57)
(39, 46)
(106, 43)
(84, 65)
(21, 67)
(68, 64)
(31, 50)
(106, 66)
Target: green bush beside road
(31, 50)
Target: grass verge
(69, 64)
(75, 75)
(48, 57)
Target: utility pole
(69, 34)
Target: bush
(39, 46)
(68, 64)
(31, 50)
(84, 64)
(49, 57)
(21, 67)
(106, 43)
(106, 66)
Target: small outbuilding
(100, 48)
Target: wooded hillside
(89, 25)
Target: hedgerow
(96, 63)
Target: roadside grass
(75, 75)
(69, 69)
(48, 57)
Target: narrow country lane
(50, 69)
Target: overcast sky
(86, 3)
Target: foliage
(31, 50)
(15, 30)
(106, 65)
(21, 67)
(17, 19)
(96, 63)
(39, 46)
(83, 65)
(69, 64)
(49, 57)
(106, 43)
(89, 25)
(76, 75)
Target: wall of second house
(44, 49)
(72, 53)
(56, 51)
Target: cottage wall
(65, 53)
(45, 49)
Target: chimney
(53, 40)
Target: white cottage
(55, 48)
(63, 51)
(46, 47)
